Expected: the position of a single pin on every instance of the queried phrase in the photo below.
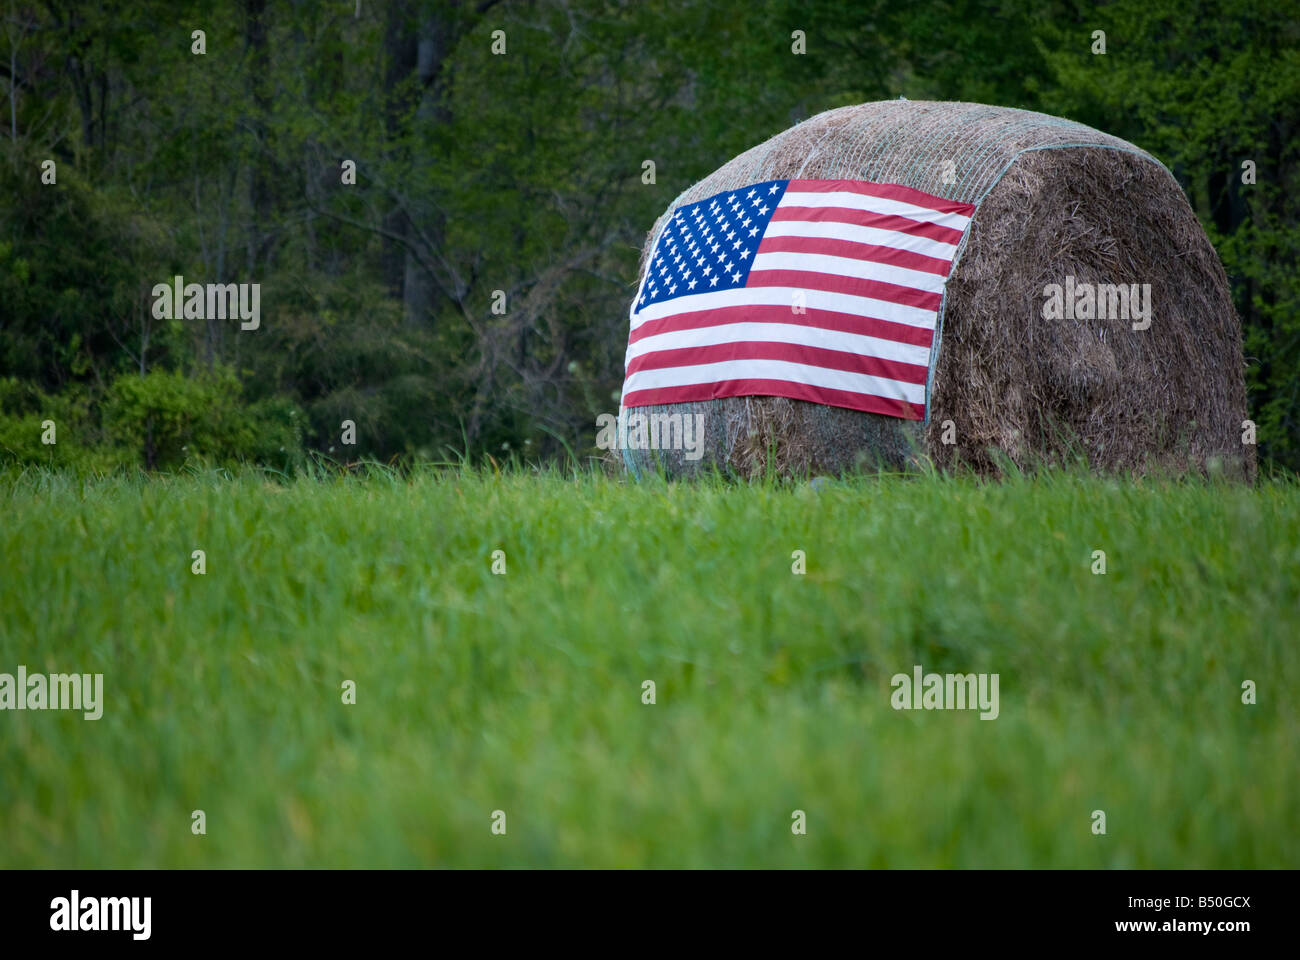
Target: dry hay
(1055, 198)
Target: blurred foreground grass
(523, 692)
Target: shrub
(167, 419)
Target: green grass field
(522, 693)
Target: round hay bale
(1054, 199)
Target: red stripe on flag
(776, 313)
(866, 218)
(697, 392)
(775, 350)
(855, 251)
(837, 283)
(888, 191)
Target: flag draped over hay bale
(900, 281)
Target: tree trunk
(260, 197)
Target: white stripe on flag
(785, 296)
(833, 230)
(858, 201)
(796, 333)
(774, 370)
(845, 267)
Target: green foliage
(159, 421)
(170, 419)
(27, 414)
(73, 287)
(522, 173)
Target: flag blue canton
(710, 245)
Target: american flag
(820, 290)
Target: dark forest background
(520, 172)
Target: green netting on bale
(908, 142)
